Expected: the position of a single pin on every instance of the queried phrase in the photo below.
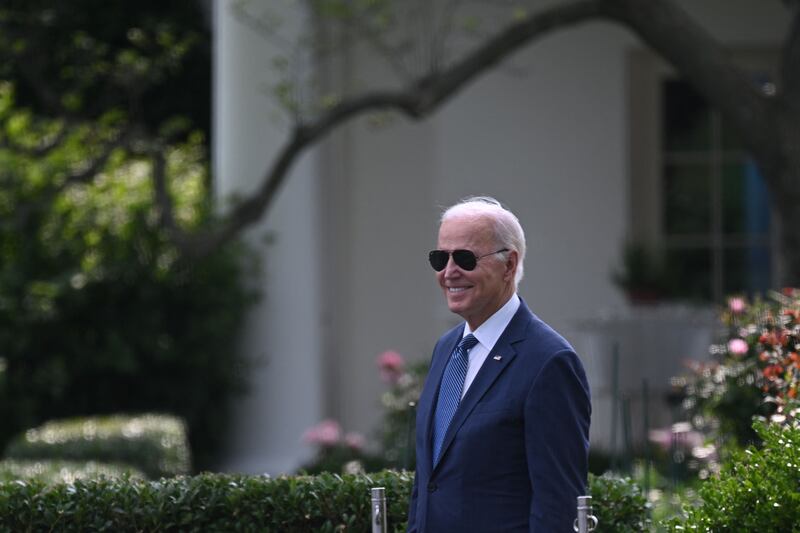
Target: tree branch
(88, 172)
(162, 199)
(703, 62)
(416, 101)
(43, 148)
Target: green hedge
(219, 502)
(52, 472)
(155, 444)
(619, 505)
(757, 490)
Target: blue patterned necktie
(450, 392)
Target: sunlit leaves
(90, 285)
(156, 445)
(756, 490)
(471, 23)
(284, 92)
(341, 9)
(519, 14)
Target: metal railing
(584, 523)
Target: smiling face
(477, 294)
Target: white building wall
(547, 134)
(549, 138)
(283, 335)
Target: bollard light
(378, 510)
(586, 521)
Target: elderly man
(503, 419)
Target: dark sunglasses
(464, 259)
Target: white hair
(507, 229)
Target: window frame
(647, 160)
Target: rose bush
(755, 372)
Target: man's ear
(511, 265)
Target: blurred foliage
(83, 58)
(52, 472)
(336, 452)
(755, 370)
(757, 489)
(398, 428)
(343, 459)
(97, 313)
(157, 445)
(640, 274)
(618, 503)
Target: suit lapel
(489, 372)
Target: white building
(581, 135)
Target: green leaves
(99, 316)
(156, 445)
(220, 502)
(757, 489)
(209, 502)
(618, 504)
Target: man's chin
(456, 307)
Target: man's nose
(451, 268)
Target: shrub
(51, 472)
(757, 490)
(400, 404)
(618, 504)
(338, 452)
(756, 372)
(99, 313)
(154, 444)
(218, 502)
(210, 502)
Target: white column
(282, 337)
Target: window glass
(747, 269)
(745, 205)
(687, 199)
(690, 270)
(714, 203)
(686, 118)
(731, 140)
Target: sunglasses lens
(438, 259)
(465, 259)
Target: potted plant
(641, 275)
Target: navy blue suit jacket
(515, 455)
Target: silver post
(586, 521)
(378, 510)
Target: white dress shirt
(487, 335)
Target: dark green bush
(56, 471)
(98, 314)
(216, 502)
(154, 444)
(757, 490)
(618, 504)
(208, 502)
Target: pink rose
(391, 366)
(354, 441)
(737, 346)
(326, 433)
(736, 305)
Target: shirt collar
(488, 332)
